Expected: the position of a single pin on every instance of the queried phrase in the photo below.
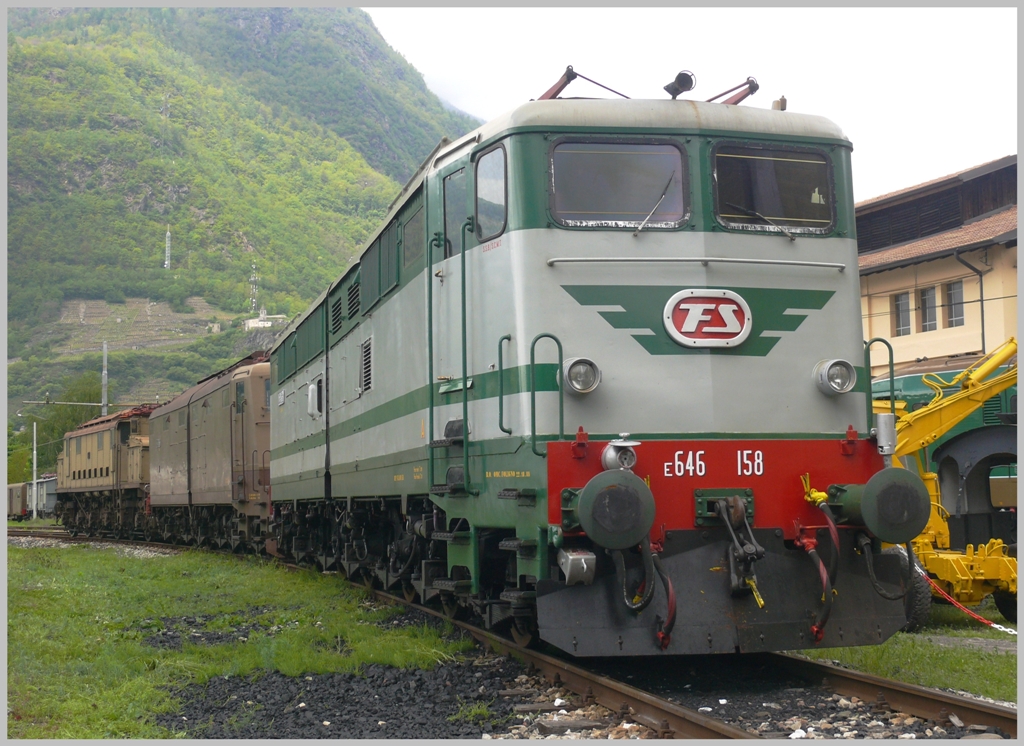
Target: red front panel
(771, 468)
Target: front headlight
(834, 377)
(581, 374)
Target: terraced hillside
(136, 324)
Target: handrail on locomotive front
(533, 393)
(704, 260)
(892, 375)
(470, 224)
(501, 387)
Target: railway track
(671, 720)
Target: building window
(954, 306)
(926, 309)
(901, 314)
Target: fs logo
(707, 318)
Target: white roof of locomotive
(661, 114)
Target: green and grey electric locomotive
(599, 378)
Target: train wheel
(452, 608)
(409, 592)
(920, 611)
(1006, 602)
(524, 632)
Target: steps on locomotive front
(526, 497)
(452, 537)
(453, 586)
(525, 548)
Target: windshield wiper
(755, 213)
(663, 193)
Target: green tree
(54, 420)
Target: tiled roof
(983, 168)
(999, 224)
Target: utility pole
(253, 289)
(35, 482)
(103, 403)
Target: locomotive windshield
(618, 185)
(760, 189)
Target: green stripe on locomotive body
(607, 312)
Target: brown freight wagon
(103, 473)
(210, 459)
(17, 501)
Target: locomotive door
(446, 276)
(237, 437)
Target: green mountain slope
(273, 137)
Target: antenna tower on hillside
(254, 289)
(167, 249)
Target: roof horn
(684, 81)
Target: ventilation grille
(353, 300)
(337, 316)
(991, 410)
(366, 359)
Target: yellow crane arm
(916, 430)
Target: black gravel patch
(411, 617)
(171, 632)
(378, 702)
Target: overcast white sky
(921, 92)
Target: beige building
(938, 268)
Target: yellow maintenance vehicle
(990, 568)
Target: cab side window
(491, 194)
(454, 211)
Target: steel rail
(919, 701)
(667, 718)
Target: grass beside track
(912, 659)
(77, 666)
(33, 523)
